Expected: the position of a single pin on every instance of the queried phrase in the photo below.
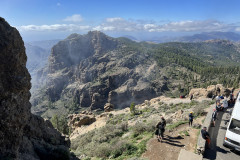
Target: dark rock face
(22, 135)
(14, 90)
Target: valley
(91, 83)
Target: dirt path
(172, 144)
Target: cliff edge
(22, 134)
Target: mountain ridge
(88, 71)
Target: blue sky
(50, 19)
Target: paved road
(217, 133)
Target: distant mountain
(47, 44)
(88, 71)
(37, 53)
(231, 36)
(37, 57)
(130, 37)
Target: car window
(235, 126)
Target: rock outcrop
(78, 120)
(211, 90)
(22, 135)
(108, 107)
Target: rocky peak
(77, 47)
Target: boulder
(198, 92)
(78, 120)
(108, 107)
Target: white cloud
(74, 18)
(118, 24)
(237, 29)
(149, 26)
(191, 26)
(115, 19)
(54, 27)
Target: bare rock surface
(22, 134)
(211, 90)
(78, 120)
(108, 107)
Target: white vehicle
(232, 137)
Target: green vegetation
(184, 133)
(132, 108)
(115, 141)
(207, 60)
(60, 123)
(118, 140)
(175, 125)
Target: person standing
(190, 118)
(161, 129)
(163, 121)
(206, 136)
(214, 116)
(191, 97)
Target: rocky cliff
(88, 71)
(22, 135)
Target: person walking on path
(214, 116)
(160, 129)
(190, 118)
(205, 135)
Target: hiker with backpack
(190, 118)
(160, 129)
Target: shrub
(185, 133)
(123, 147)
(60, 123)
(192, 103)
(175, 125)
(138, 128)
(103, 150)
(97, 141)
(133, 108)
(169, 120)
(198, 111)
(142, 127)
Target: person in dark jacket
(190, 119)
(160, 129)
(163, 121)
(206, 136)
(191, 96)
(214, 116)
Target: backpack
(161, 126)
